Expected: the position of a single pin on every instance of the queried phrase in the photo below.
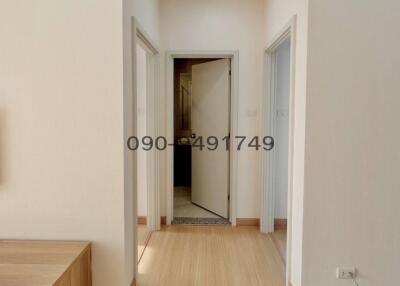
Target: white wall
(147, 13)
(277, 15)
(60, 126)
(281, 129)
(142, 130)
(61, 135)
(352, 183)
(225, 25)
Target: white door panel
(210, 117)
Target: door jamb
(233, 156)
(152, 126)
(152, 122)
(267, 123)
(130, 129)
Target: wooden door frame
(137, 33)
(233, 156)
(267, 123)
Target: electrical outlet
(345, 273)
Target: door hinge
(229, 197)
(230, 72)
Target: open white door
(210, 117)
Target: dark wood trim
(142, 220)
(280, 223)
(247, 222)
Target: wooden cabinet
(45, 263)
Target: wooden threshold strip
(142, 220)
(278, 223)
(247, 222)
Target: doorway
(141, 79)
(202, 114)
(277, 121)
(279, 163)
(143, 229)
(201, 122)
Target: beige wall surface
(225, 25)
(61, 118)
(352, 183)
(61, 156)
(277, 14)
(147, 13)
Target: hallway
(212, 256)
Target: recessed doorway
(143, 229)
(201, 116)
(202, 108)
(279, 164)
(277, 121)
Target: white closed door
(210, 117)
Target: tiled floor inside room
(184, 208)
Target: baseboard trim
(133, 282)
(280, 223)
(247, 222)
(142, 220)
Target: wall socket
(346, 273)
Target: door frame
(152, 122)
(233, 154)
(267, 124)
(136, 34)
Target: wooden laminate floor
(143, 237)
(279, 237)
(211, 256)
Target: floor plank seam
(145, 246)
